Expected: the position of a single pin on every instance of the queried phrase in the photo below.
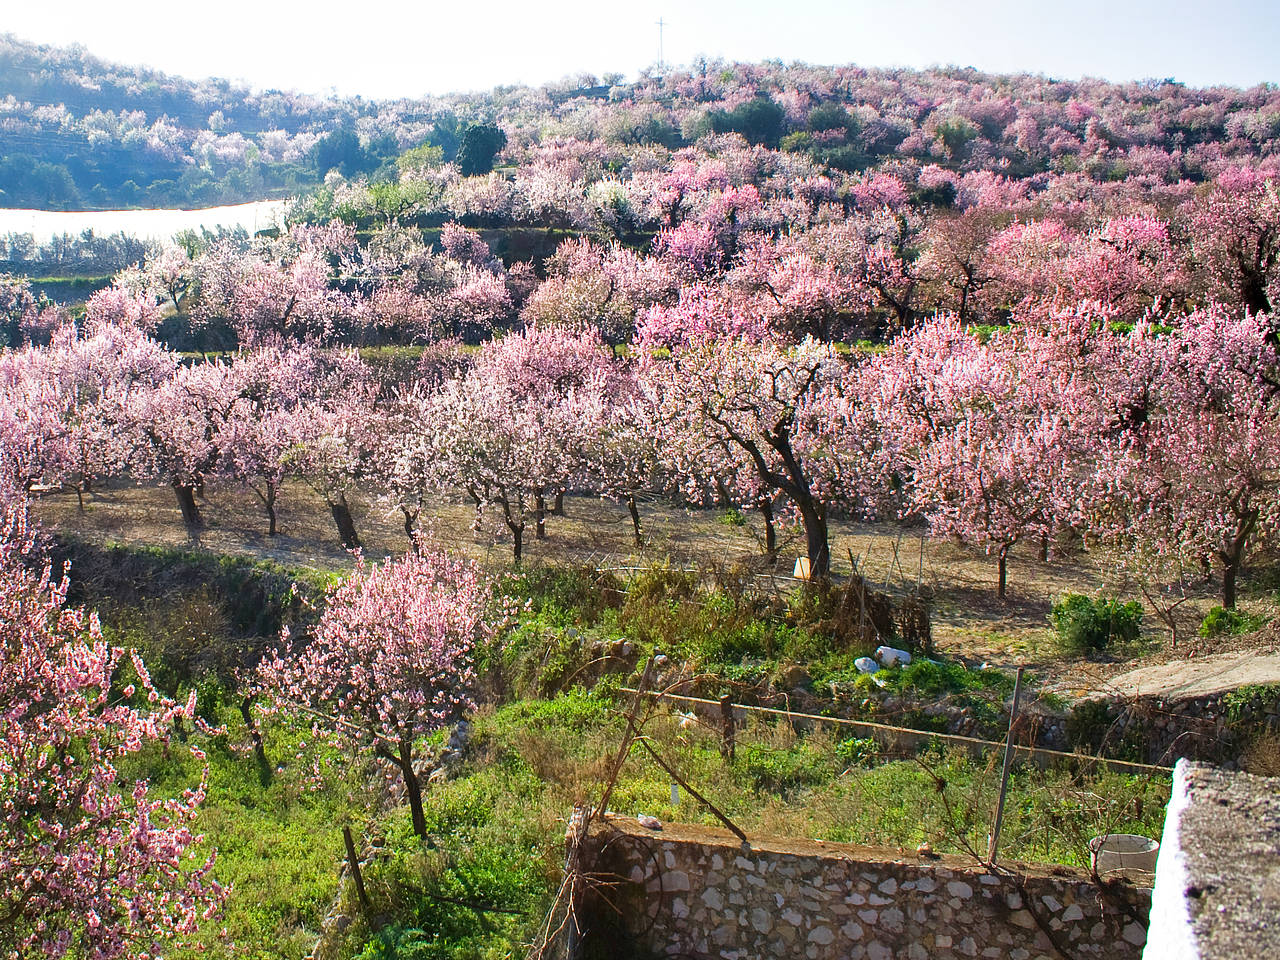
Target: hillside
(78, 132)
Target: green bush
(778, 770)
(1220, 622)
(858, 751)
(1087, 624)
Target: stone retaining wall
(1215, 728)
(695, 892)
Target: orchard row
(1161, 442)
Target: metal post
(994, 847)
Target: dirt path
(1199, 677)
(968, 619)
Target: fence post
(354, 862)
(726, 726)
(994, 848)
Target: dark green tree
(480, 144)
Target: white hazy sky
(397, 48)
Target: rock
(822, 936)
(789, 678)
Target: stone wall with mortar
(696, 892)
(1215, 728)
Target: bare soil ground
(969, 619)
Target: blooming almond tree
(390, 659)
(718, 397)
(1235, 235)
(1196, 475)
(982, 463)
(91, 864)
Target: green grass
(278, 844)
(497, 827)
(480, 883)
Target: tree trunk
(770, 530)
(346, 526)
(187, 504)
(558, 509)
(722, 494)
(412, 789)
(815, 535)
(411, 529)
(259, 751)
(1002, 565)
(270, 503)
(540, 517)
(635, 518)
(517, 540)
(1233, 558)
(1044, 548)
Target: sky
(394, 48)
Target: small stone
(889, 887)
(893, 920)
(792, 917)
(713, 898)
(958, 888)
(852, 930)
(942, 941)
(1052, 903)
(1135, 934)
(761, 920)
(878, 951)
(822, 935)
(1072, 912)
(676, 880)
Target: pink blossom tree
(1235, 235)
(91, 864)
(983, 461)
(745, 399)
(1195, 472)
(390, 659)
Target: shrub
(1086, 624)
(777, 770)
(1220, 621)
(858, 751)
